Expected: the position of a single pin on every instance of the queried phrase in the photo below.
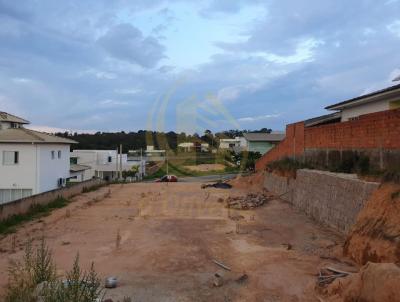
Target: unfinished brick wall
(380, 130)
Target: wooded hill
(142, 138)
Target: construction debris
(327, 275)
(218, 281)
(217, 185)
(243, 278)
(288, 246)
(247, 202)
(221, 265)
(111, 282)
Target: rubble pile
(250, 201)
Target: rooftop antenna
(396, 79)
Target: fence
(23, 205)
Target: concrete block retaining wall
(333, 199)
(23, 205)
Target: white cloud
(49, 129)
(128, 91)
(229, 93)
(251, 119)
(100, 74)
(112, 103)
(22, 80)
(304, 53)
(394, 28)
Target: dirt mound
(250, 201)
(376, 282)
(376, 235)
(254, 181)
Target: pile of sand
(252, 182)
(376, 235)
(376, 282)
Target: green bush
(35, 276)
(35, 211)
(392, 175)
(288, 165)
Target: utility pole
(120, 161)
(141, 164)
(166, 159)
(116, 162)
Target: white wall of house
(227, 143)
(355, 111)
(103, 162)
(78, 176)
(24, 174)
(52, 169)
(35, 172)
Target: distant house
(186, 147)
(149, 154)
(262, 142)
(104, 164)
(381, 100)
(191, 147)
(232, 143)
(79, 173)
(31, 162)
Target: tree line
(141, 139)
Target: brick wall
(380, 130)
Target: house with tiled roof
(31, 162)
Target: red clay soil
(254, 182)
(169, 235)
(376, 235)
(376, 282)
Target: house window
(109, 159)
(14, 125)
(59, 154)
(53, 154)
(10, 158)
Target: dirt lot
(170, 234)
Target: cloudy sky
(191, 65)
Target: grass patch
(392, 175)
(287, 165)
(359, 165)
(179, 171)
(92, 188)
(36, 211)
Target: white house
(232, 143)
(149, 154)
(189, 147)
(104, 164)
(31, 162)
(381, 100)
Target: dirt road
(169, 236)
